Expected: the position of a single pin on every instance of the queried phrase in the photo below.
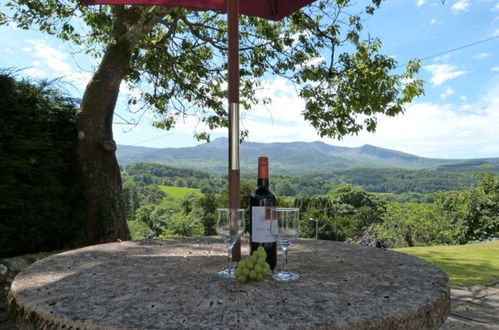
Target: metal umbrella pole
(233, 65)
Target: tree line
(345, 212)
(386, 180)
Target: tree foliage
(178, 61)
(475, 210)
(344, 213)
(41, 207)
(176, 58)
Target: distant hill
(295, 157)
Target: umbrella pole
(234, 173)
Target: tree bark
(105, 213)
(105, 217)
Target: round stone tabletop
(172, 284)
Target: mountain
(294, 157)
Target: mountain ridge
(293, 157)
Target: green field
(179, 192)
(468, 264)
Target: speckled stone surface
(172, 284)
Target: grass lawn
(468, 264)
(179, 192)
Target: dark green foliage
(475, 210)
(344, 213)
(455, 217)
(383, 180)
(472, 166)
(417, 224)
(161, 171)
(397, 181)
(40, 205)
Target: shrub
(41, 207)
(416, 224)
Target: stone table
(172, 284)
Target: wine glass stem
(229, 259)
(285, 252)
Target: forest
(382, 180)
(345, 211)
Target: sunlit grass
(179, 192)
(468, 264)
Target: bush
(41, 207)
(417, 224)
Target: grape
(258, 268)
(239, 271)
(253, 268)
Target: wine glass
(230, 226)
(285, 229)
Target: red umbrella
(267, 9)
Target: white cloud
(496, 33)
(442, 58)
(463, 97)
(51, 57)
(495, 69)
(495, 8)
(481, 56)
(443, 72)
(281, 109)
(448, 92)
(50, 62)
(419, 3)
(434, 21)
(35, 73)
(443, 131)
(461, 6)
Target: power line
(454, 50)
(156, 138)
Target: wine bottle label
(261, 220)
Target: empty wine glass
(230, 226)
(286, 230)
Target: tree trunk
(105, 216)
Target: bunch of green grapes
(254, 267)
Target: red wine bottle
(262, 200)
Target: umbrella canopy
(268, 9)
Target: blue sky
(458, 117)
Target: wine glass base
(285, 277)
(227, 273)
